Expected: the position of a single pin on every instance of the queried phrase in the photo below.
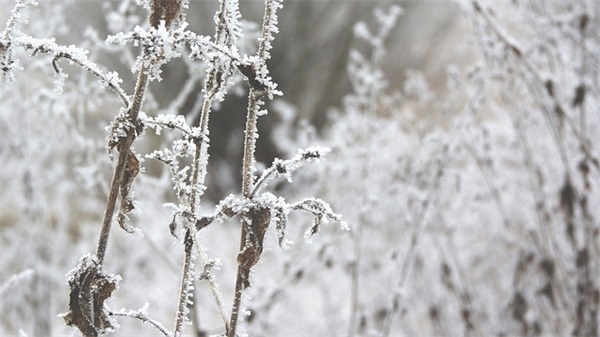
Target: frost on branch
(72, 53)
(90, 287)
(228, 21)
(270, 28)
(142, 315)
(117, 132)
(285, 168)
(159, 46)
(322, 212)
(266, 209)
(181, 148)
(7, 62)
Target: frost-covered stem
(198, 167)
(267, 27)
(262, 180)
(61, 52)
(242, 275)
(124, 145)
(247, 180)
(211, 87)
(255, 96)
(144, 318)
(249, 144)
(14, 18)
(185, 280)
(218, 299)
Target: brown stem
(210, 87)
(183, 294)
(123, 148)
(242, 276)
(249, 146)
(189, 241)
(254, 99)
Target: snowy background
(465, 157)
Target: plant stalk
(123, 148)
(247, 180)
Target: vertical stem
(242, 275)
(249, 144)
(247, 180)
(124, 145)
(211, 85)
(251, 133)
(189, 241)
(185, 280)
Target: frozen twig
(256, 72)
(77, 56)
(226, 34)
(287, 167)
(142, 315)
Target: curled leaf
(132, 168)
(90, 287)
(256, 221)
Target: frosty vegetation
(471, 208)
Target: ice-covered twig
(142, 315)
(7, 63)
(321, 210)
(285, 168)
(15, 16)
(77, 56)
(175, 122)
(216, 82)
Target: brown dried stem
(124, 151)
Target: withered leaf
(89, 288)
(132, 168)
(256, 221)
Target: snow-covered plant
(476, 211)
(472, 191)
(164, 38)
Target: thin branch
(184, 297)
(287, 167)
(214, 81)
(248, 165)
(144, 318)
(255, 94)
(49, 47)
